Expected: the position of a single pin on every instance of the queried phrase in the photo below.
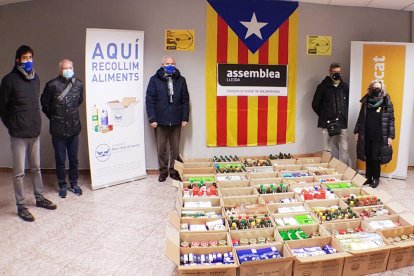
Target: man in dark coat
(20, 113)
(375, 131)
(330, 103)
(167, 103)
(60, 100)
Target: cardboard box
(215, 201)
(233, 183)
(276, 198)
(330, 264)
(274, 208)
(254, 234)
(284, 161)
(402, 253)
(296, 180)
(204, 176)
(173, 252)
(339, 166)
(262, 169)
(344, 194)
(402, 220)
(206, 237)
(234, 202)
(193, 164)
(266, 181)
(287, 167)
(310, 230)
(361, 262)
(231, 177)
(315, 166)
(122, 113)
(176, 221)
(359, 210)
(262, 175)
(310, 215)
(326, 157)
(240, 191)
(309, 160)
(313, 205)
(277, 267)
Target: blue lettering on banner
(115, 62)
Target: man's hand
(154, 125)
(184, 123)
(356, 137)
(389, 142)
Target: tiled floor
(119, 230)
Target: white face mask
(68, 73)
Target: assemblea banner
(114, 105)
(392, 64)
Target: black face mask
(375, 92)
(336, 76)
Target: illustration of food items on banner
(116, 113)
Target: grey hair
(63, 60)
(371, 84)
(335, 65)
(166, 57)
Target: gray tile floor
(119, 230)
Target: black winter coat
(63, 115)
(19, 105)
(159, 108)
(387, 128)
(330, 102)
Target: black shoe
(24, 214)
(375, 183)
(163, 176)
(62, 192)
(175, 175)
(46, 203)
(76, 190)
(368, 182)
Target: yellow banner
(386, 63)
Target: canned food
(195, 244)
(204, 244)
(261, 240)
(213, 243)
(350, 231)
(270, 239)
(335, 232)
(315, 235)
(244, 242)
(397, 239)
(391, 240)
(222, 243)
(235, 242)
(185, 244)
(252, 241)
(404, 237)
(411, 236)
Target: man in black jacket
(167, 102)
(20, 113)
(60, 100)
(330, 103)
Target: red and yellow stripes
(253, 120)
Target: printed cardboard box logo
(123, 113)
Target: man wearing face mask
(330, 103)
(20, 113)
(167, 103)
(375, 131)
(60, 100)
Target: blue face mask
(27, 66)
(169, 69)
(68, 73)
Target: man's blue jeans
(69, 145)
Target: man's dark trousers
(69, 145)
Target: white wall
(411, 154)
(56, 29)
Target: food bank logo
(102, 152)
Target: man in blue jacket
(167, 104)
(20, 113)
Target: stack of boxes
(301, 216)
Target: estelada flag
(250, 32)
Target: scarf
(375, 102)
(27, 76)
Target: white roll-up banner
(393, 64)
(114, 105)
